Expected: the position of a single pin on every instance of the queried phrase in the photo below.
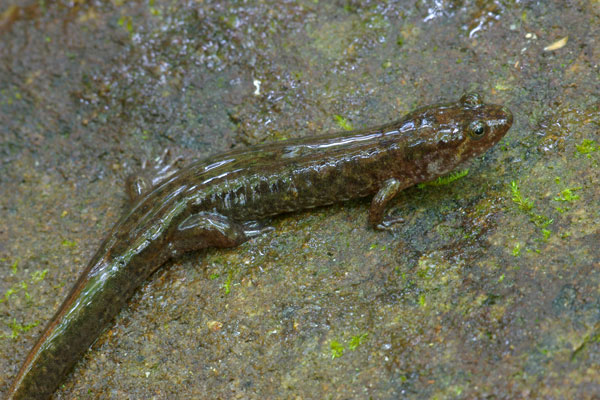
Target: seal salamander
(218, 202)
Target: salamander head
(450, 134)
(484, 124)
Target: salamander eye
(477, 129)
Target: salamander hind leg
(151, 173)
(387, 192)
(210, 229)
(256, 228)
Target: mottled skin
(216, 203)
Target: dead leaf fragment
(559, 44)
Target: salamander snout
(508, 114)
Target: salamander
(219, 201)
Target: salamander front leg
(211, 229)
(387, 192)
